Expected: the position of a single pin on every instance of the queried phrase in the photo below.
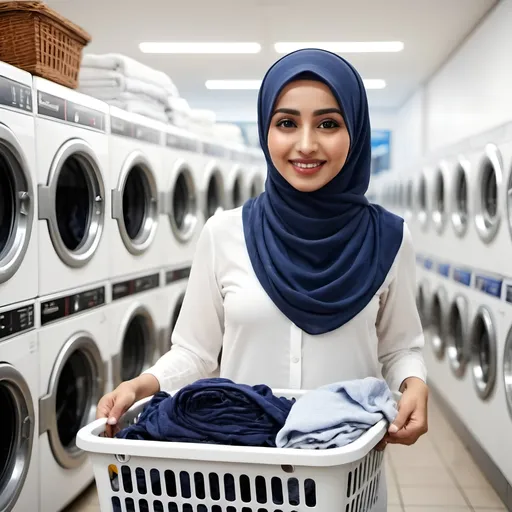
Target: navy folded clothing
(215, 411)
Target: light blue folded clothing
(336, 415)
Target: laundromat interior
(125, 126)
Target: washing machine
(136, 317)
(73, 182)
(235, 176)
(136, 157)
(74, 354)
(211, 187)
(18, 186)
(19, 384)
(183, 220)
(421, 229)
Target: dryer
(183, 219)
(72, 168)
(136, 316)
(136, 154)
(212, 187)
(18, 186)
(74, 353)
(19, 384)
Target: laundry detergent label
(16, 321)
(69, 305)
(69, 112)
(179, 142)
(489, 285)
(214, 150)
(172, 276)
(462, 276)
(137, 131)
(15, 95)
(134, 286)
(443, 269)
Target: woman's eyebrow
(320, 112)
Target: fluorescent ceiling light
(344, 47)
(149, 47)
(255, 84)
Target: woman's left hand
(411, 422)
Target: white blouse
(225, 308)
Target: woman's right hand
(114, 404)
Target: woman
(308, 284)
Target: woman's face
(307, 139)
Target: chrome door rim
(507, 371)
(184, 234)
(458, 218)
(487, 226)
(422, 301)
(19, 463)
(84, 155)
(85, 343)
(236, 178)
(438, 331)
(213, 173)
(422, 209)
(458, 360)
(483, 316)
(147, 232)
(12, 256)
(438, 214)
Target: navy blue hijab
(320, 256)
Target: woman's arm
(198, 334)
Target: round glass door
(214, 194)
(458, 335)
(460, 211)
(183, 202)
(437, 323)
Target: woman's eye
(286, 123)
(329, 124)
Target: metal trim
(84, 154)
(459, 219)
(483, 320)
(422, 209)
(507, 371)
(12, 256)
(150, 347)
(213, 172)
(438, 332)
(19, 465)
(84, 342)
(439, 207)
(191, 220)
(487, 226)
(147, 233)
(458, 359)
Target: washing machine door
(438, 328)
(439, 203)
(73, 203)
(76, 385)
(458, 334)
(460, 198)
(181, 202)
(138, 347)
(487, 194)
(256, 185)
(214, 200)
(135, 204)
(166, 335)
(236, 198)
(507, 370)
(16, 204)
(18, 422)
(422, 202)
(484, 352)
(422, 303)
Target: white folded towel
(228, 132)
(143, 108)
(129, 68)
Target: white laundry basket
(156, 476)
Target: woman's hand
(411, 422)
(114, 404)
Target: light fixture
(255, 84)
(344, 47)
(198, 48)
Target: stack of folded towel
(202, 122)
(228, 132)
(128, 84)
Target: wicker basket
(37, 39)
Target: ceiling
(430, 29)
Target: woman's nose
(307, 143)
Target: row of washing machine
(90, 193)
(467, 319)
(58, 356)
(460, 201)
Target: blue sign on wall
(381, 150)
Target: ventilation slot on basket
(363, 483)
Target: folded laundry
(216, 411)
(337, 414)
(144, 108)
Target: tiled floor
(437, 474)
